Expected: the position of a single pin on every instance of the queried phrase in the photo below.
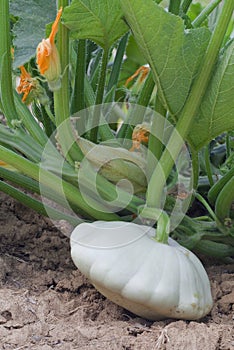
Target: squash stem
(99, 96)
(185, 5)
(205, 13)
(163, 222)
(78, 97)
(208, 165)
(62, 99)
(174, 6)
(6, 95)
(155, 146)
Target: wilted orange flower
(48, 59)
(142, 71)
(140, 135)
(27, 83)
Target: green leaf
(29, 30)
(100, 21)
(216, 113)
(173, 53)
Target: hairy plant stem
(208, 165)
(116, 69)
(78, 97)
(195, 167)
(185, 5)
(99, 96)
(225, 200)
(162, 170)
(174, 6)
(205, 13)
(14, 110)
(7, 99)
(62, 99)
(228, 146)
(155, 146)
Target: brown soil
(45, 303)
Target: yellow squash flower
(48, 59)
(30, 88)
(27, 85)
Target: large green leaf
(100, 21)
(173, 53)
(216, 113)
(29, 30)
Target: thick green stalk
(29, 121)
(6, 95)
(22, 142)
(163, 222)
(89, 93)
(208, 165)
(62, 97)
(174, 6)
(218, 186)
(95, 69)
(99, 96)
(214, 249)
(41, 116)
(56, 184)
(185, 5)
(1, 105)
(155, 146)
(20, 180)
(78, 97)
(31, 185)
(206, 205)
(225, 200)
(114, 76)
(195, 167)
(228, 146)
(157, 182)
(205, 13)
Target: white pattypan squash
(153, 280)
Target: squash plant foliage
(118, 90)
